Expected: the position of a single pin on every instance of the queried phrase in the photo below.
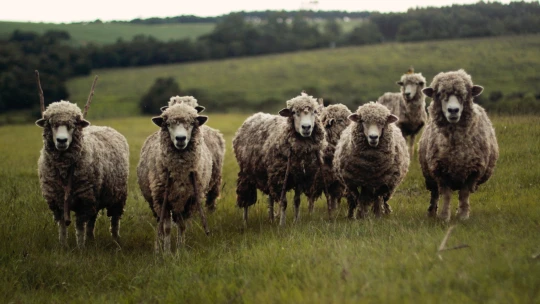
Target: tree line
(237, 34)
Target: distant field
(351, 75)
(109, 32)
(389, 260)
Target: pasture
(106, 33)
(350, 75)
(392, 259)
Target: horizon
(125, 11)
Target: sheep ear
(354, 117)
(202, 120)
(200, 109)
(41, 122)
(428, 92)
(164, 108)
(285, 112)
(158, 120)
(83, 123)
(330, 122)
(399, 83)
(392, 118)
(477, 90)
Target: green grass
(349, 75)
(393, 259)
(106, 33)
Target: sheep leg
(433, 204)
(352, 199)
(90, 228)
(411, 145)
(365, 199)
(80, 227)
(115, 228)
(166, 222)
(283, 197)
(447, 197)
(245, 216)
(62, 232)
(198, 202)
(297, 204)
(325, 184)
(270, 209)
(180, 238)
(464, 206)
(387, 208)
(377, 206)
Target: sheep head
(452, 94)
(180, 121)
(60, 121)
(373, 118)
(334, 118)
(302, 111)
(411, 84)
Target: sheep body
(377, 170)
(262, 146)
(164, 169)
(411, 111)
(99, 157)
(334, 118)
(456, 156)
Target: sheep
(82, 168)
(458, 150)
(279, 153)
(334, 118)
(174, 170)
(215, 143)
(371, 154)
(409, 105)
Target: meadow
(350, 75)
(106, 33)
(317, 260)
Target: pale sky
(58, 11)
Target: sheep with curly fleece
(334, 119)
(409, 105)
(458, 150)
(174, 170)
(82, 168)
(279, 153)
(216, 144)
(371, 154)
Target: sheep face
(180, 121)
(62, 127)
(411, 84)
(303, 120)
(373, 119)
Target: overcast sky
(76, 10)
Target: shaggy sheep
(409, 105)
(458, 150)
(215, 143)
(371, 154)
(175, 170)
(334, 119)
(82, 167)
(279, 153)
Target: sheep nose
(407, 94)
(61, 140)
(306, 127)
(453, 110)
(180, 138)
(373, 137)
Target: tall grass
(392, 259)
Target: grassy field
(349, 75)
(106, 33)
(393, 259)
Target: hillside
(105, 33)
(352, 75)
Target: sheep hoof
(463, 214)
(445, 217)
(432, 211)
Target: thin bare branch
(89, 100)
(445, 239)
(41, 97)
(455, 247)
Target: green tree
(158, 95)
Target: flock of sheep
(309, 148)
